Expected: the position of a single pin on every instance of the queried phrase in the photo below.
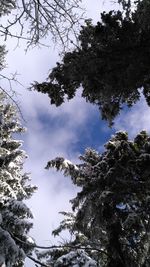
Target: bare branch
(14, 101)
(36, 19)
(73, 247)
(12, 93)
(33, 245)
(37, 261)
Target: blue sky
(65, 131)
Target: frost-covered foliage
(14, 189)
(112, 210)
(6, 6)
(2, 56)
(72, 258)
(75, 259)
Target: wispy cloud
(135, 119)
(51, 132)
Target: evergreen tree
(15, 188)
(111, 210)
(111, 63)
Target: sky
(63, 131)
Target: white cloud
(94, 9)
(44, 141)
(135, 119)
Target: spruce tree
(15, 216)
(111, 211)
(111, 62)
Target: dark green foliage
(111, 63)
(112, 208)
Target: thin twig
(15, 102)
(42, 18)
(37, 261)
